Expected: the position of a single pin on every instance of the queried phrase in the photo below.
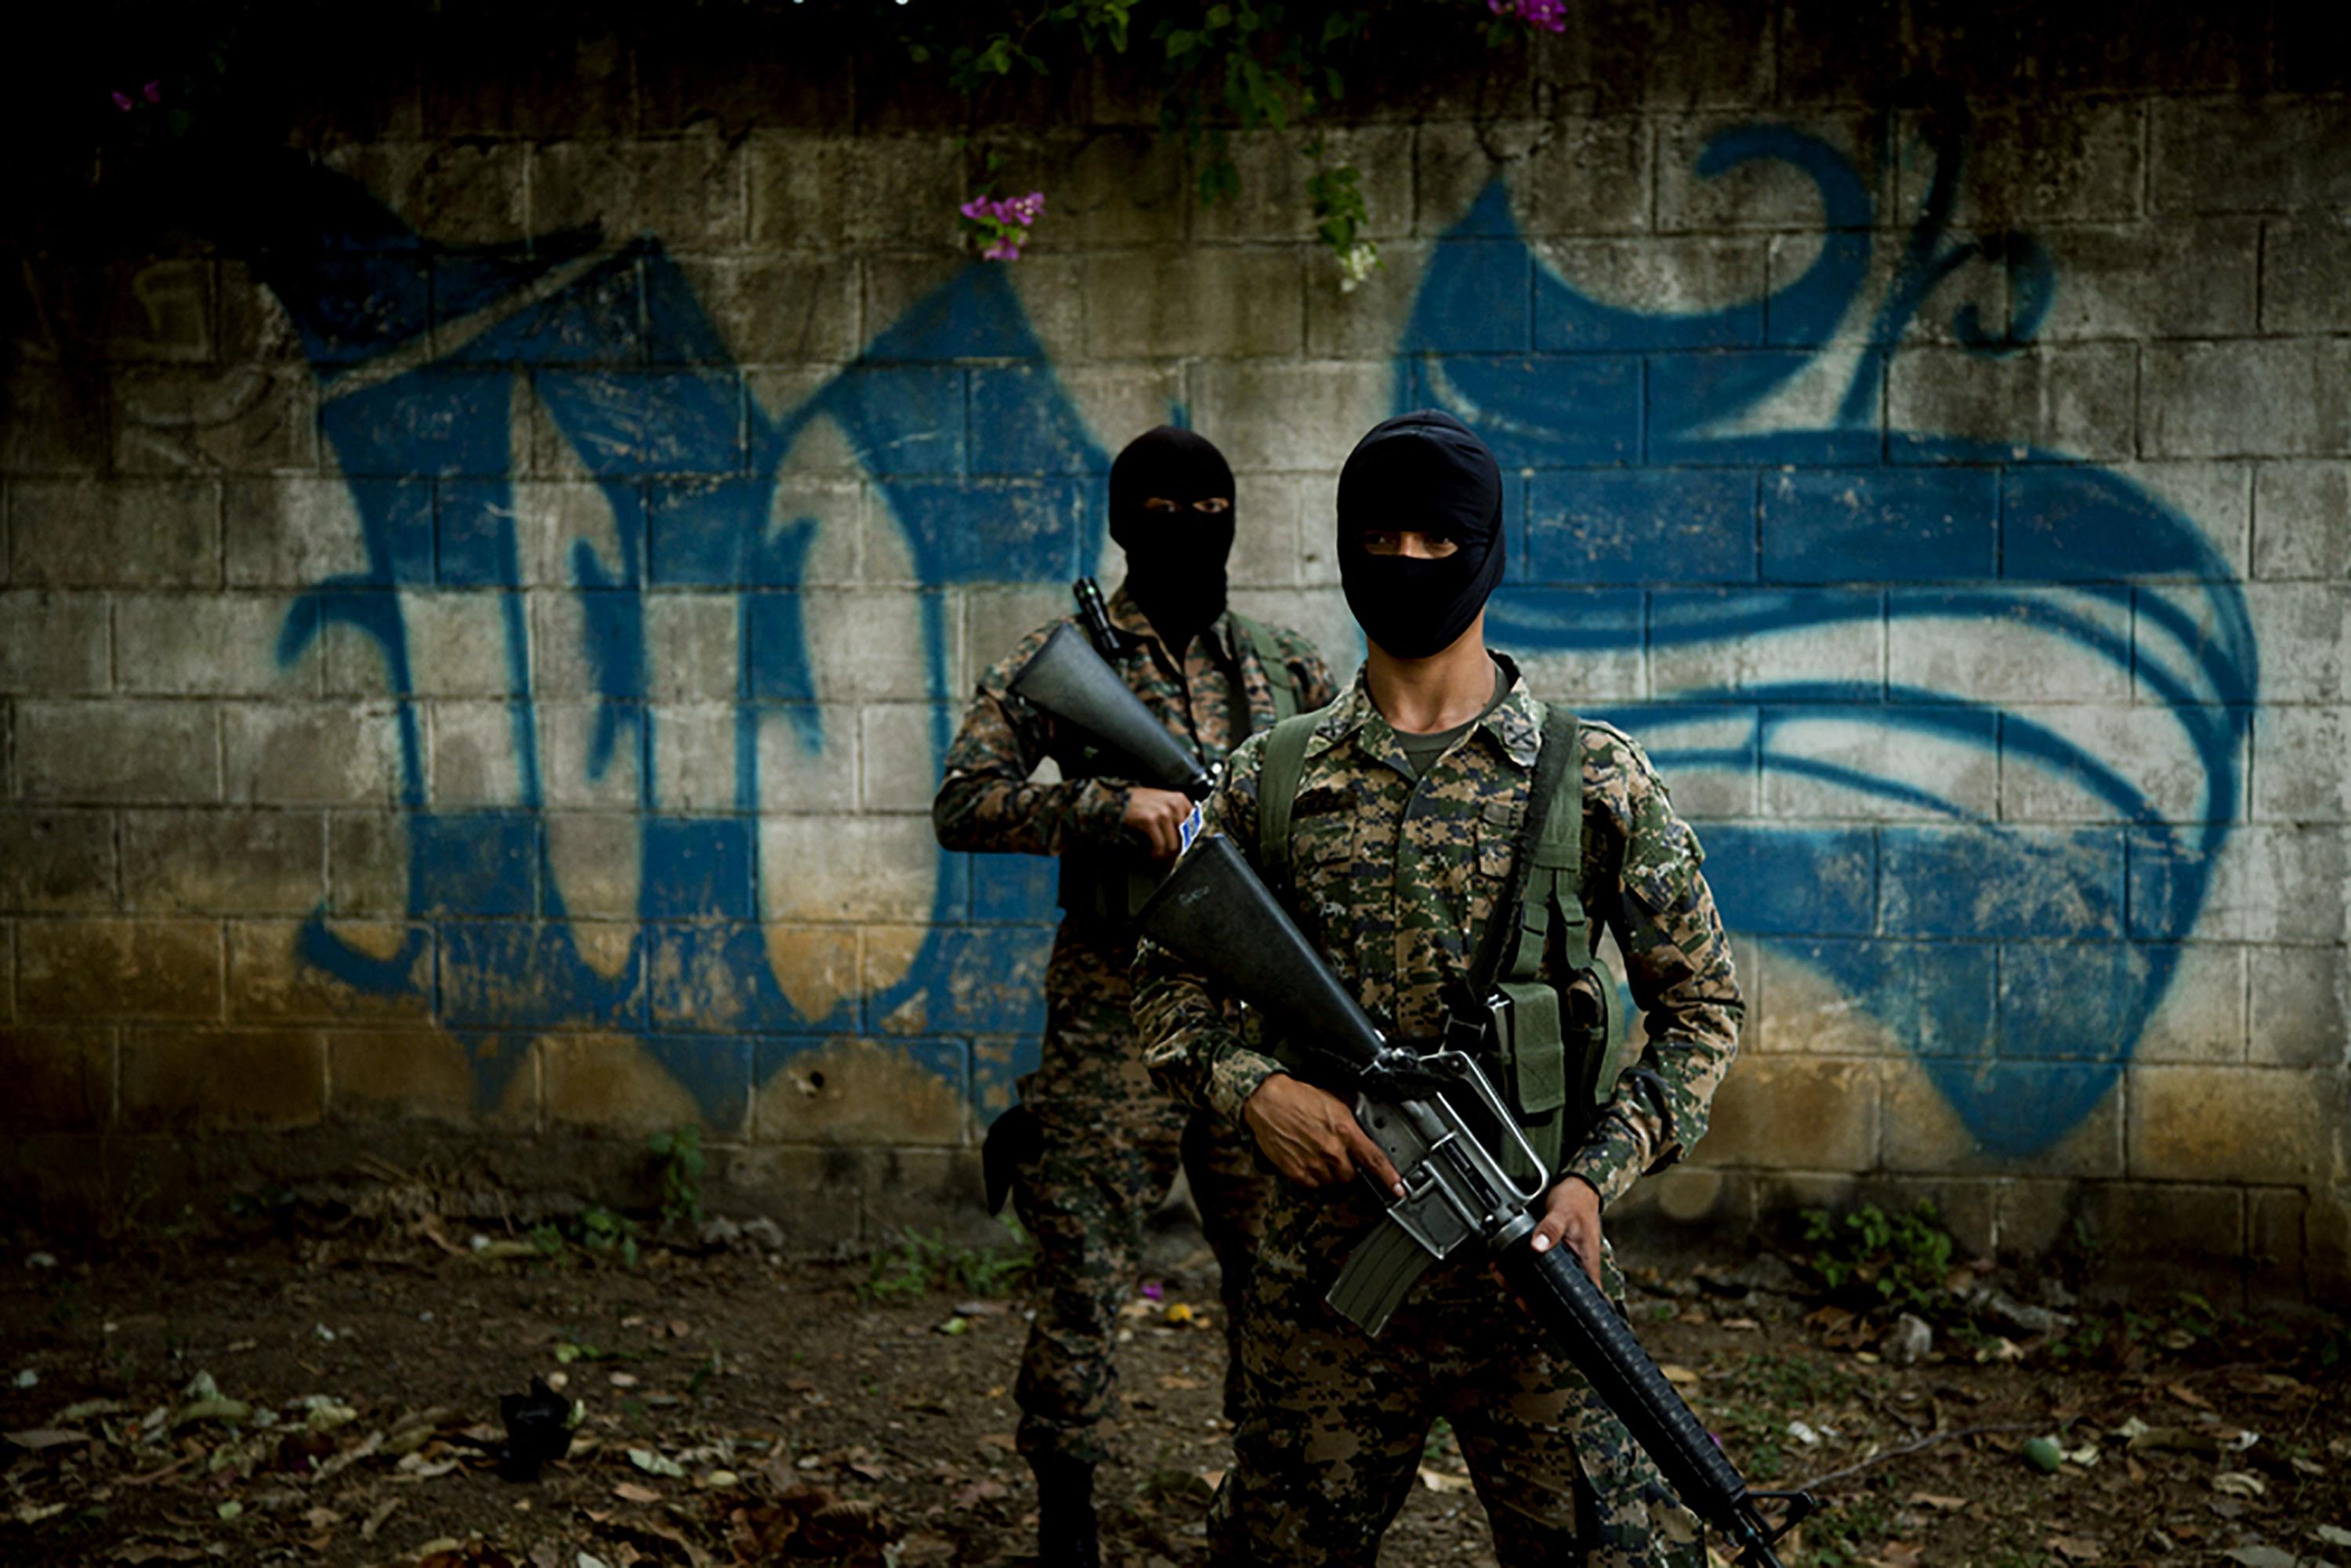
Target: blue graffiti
(1667, 511)
(2020, 963)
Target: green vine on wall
(1221, 67)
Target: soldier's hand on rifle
(1158, 815)
(1313, 1137)
(1571, 1214)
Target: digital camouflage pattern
(1393, 881)
(1111, 1143)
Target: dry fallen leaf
(1932, 1499)
(2078, 1548)
(2239, 1483)
(630, 1491)
(1443, 1480)
(1682, 1376)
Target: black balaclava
(1174, 561)
(1424, 471)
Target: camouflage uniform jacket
(988, 801)
(1393, 879)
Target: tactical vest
(1106, 889)
(1546, 1046)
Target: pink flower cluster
(152, 92)
(1005, 221)
(1549, 15)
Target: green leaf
(1180, 43)
(1218, 16)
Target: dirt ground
(298, 1395)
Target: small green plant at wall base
(1875, 1258)
(682, 1166)
(917, 1264)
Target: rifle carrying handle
(1599, 1344)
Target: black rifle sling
(1558, 749)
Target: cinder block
(694, 753)
(1786, 1113)
(2269, 883)
(56, 423)
(551, 519)
(203, 645)
(574, 739)
(2202, 1018)
(597, 861)
(1936, 997)
(2248, 154)
(311, 754)
(2140, 281)
(731, 78)
(1702, 638)
(60, 1079)
(119, 968)
(772, 312)
(689, 189)
(2301, 1008)
(983, 980)
(368, 865)
(297, 531)
(1273, 203)
(2305, 633)
(692, 647)
(1660, 277)
(855, 1091)
(1271, 545)
(476, 753)
(1583, 676)
(1225, 303)
(172, 419)
(418, 1074)
(996, 619)
(2013, 645)
(1719, 788)
(2275, 1248)
(2078, 400)
(457, 647)
(459, 193)
(710, 976)
(2304, 280)
(126, 750)
(1115, 187)
(2298, 768)
(809, 757)
(2081, 162)
(2286, 397)
(1296, 416)
(2234, 1124)
(867, 646)
(2326, 1242)
(53, 643)
(218, 1080)
(57, 863)
(115, 532)
(829, 868)
(1760, 193)
(1051, 287)
(277, 973)
(2146, 744)
(900, 752)
(1365, 322)
(1924, 1134)
(2216, 497)
(223, 861)
(610, 1083)
(815, 1193)
(1454, 160)
(903, 189)
(1590, 176)
(1115, 404)
(1935, 773)
(2302, 520)
(798, 192)
(934, 1189)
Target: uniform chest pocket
(1498, 830)
(1323, 840)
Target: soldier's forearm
(1006, 816)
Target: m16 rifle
(1425, 1109)
(1069, 680)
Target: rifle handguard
(1600, 1345)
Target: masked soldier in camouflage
(1092, 1147)
(1401, 829)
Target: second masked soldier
(1095, 1147)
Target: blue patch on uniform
(1191, 828)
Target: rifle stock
(1215, 914)
(1070, 680)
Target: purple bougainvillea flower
(121, 101)
(975, 208)
(1006, 249)
(1153, 1289)
(153, 91)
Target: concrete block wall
(475, 656)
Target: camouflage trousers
(1335, 1424)
(1110, 1147)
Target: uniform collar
(1128, 617)
(1516, 724)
